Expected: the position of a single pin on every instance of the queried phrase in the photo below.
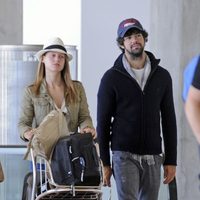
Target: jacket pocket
(41, 108)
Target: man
(134, 98)
(192, 103)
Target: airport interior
(89, 31)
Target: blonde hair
(65, 75)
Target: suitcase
(75, 161)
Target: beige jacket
(35, 108)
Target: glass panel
(15, 169)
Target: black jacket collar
(119, 65)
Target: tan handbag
(53, 126)
(1, 173)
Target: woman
(53, 88)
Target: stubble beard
(136, 53)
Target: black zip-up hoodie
(131, 119)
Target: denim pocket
(120, 157)
(159, 159)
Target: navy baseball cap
(127, 24)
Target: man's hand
(169, 173)
(107, 173)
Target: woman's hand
(89, 130)
(28, 134)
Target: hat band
(56, 47)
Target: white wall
(11, 22)
(43, 19)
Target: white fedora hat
(54, 44)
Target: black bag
(75, 161)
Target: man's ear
(121, 46)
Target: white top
(140, 75)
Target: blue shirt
(188, 76)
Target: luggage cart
(49, 190)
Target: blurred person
(192, 102)
(135, 99)
(188, 75)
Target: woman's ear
(42, 59)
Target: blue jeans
(136, 180)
